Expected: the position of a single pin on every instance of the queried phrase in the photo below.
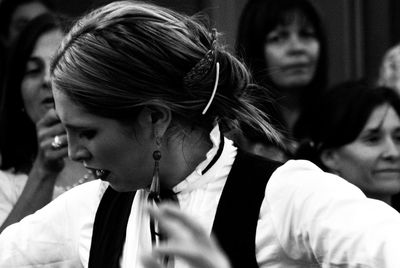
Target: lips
(101, 174)
(387, 173)
(48, 102)
(297, 66)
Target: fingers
(150, 261)
(169, 216)
(50, 126)
(49, 119)
(186, 239)
(51, 152)
(194, 253)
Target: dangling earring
(155, 184)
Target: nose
(77, 152)
(392, 149)
(296, 44)
(46, 78)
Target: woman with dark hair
(354, 132)
(283, 43)
(28, 124)
(142, 92)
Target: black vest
(234, 225)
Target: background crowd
(350, 129)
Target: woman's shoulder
(12, 183)
(10, 176)
(304, 170)
(305, 179)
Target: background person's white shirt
(11, 187)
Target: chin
(120, 188)
(294, 84)
(123, 187)
(298, 82)
(388, 189)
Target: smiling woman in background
(355, 133)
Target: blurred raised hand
(186, 240)
(51, 155)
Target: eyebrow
(34, 59)
(372, 130)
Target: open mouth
(101, 174)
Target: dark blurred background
(359, 31)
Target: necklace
(58, 190)
(87, 177)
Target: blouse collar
(224, 154)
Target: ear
(330, 158)
(155, 118)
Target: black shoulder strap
(109, 229)
(238, 210)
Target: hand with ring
(56, 143)
(52, 147)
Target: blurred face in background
(372, 160)
(35, 88)
(291, 52)
(22, 15)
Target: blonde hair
(128, 54)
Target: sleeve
(319, 218)
(52, 236)
(11, 187)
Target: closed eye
(87, 134)
(34, 66)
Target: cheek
(314, 50)
(28, 93)
(30, 87)
(273, 56)
(118, 150)
(356, 162)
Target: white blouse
(11, 187)
(308, 218)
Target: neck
(71, 173)
(182, 155)
(385, 198)
(290, 108)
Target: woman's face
(22, 15)
(35, 87)
(372, 161)
(291, 53)
(124, 152)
